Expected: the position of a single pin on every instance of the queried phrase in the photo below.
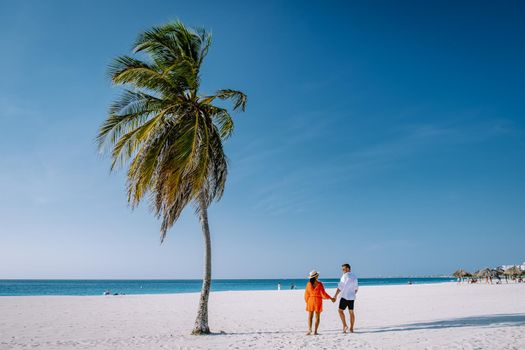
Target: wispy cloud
(12, 108)
(299, 186)
(413, 139)
(263, 151)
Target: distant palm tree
(168, 134)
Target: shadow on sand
(492, 320)
(484, 321)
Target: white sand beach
(439, 316)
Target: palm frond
(238, 98)
(174, 41)
(222, 120)
(127, 70)
(127, 144)
(205, 43)
(128, 112)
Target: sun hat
(313, 274)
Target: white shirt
(348, 286)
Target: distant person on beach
(313, 296)
(348, 287)
(279, 286)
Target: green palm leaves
(168, 135)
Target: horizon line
(200, 279)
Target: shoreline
(154, 287)
(213, 292)
(328, 285)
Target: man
(348, 287)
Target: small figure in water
(279, 286)
(292, 286)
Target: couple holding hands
(315, 293)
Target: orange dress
(314, 297)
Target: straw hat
(313, 274)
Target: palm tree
(168, 134)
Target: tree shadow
(484, 321)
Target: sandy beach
(433, 316)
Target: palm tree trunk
(201, 323)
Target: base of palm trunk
(201, 323)
(201, 327)
(200, 331)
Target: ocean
(98, 287)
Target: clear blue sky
(386, 134)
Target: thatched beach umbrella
(460, 273)
(513, 271)
(485, 273)
(474, 276)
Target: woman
(313, 296)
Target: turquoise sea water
(97, 287)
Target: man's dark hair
(346, 265)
